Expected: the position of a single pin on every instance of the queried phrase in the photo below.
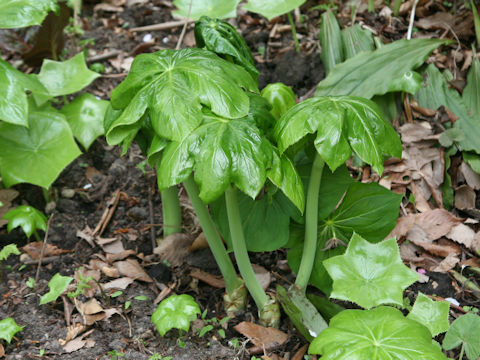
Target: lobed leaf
(173, 86)
(8, 329)
(377, 334)
(272, 8)
(176, 311)
(430, 313)
(212, 8)
(57, 285)
(10, 249)
(23, 13)
(27, 217)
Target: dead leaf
(465, 197)
(72, 332)
(264, 339)
(77, 343)
(439, 20)
(300, 353)
(121, 283)
(447, 264)
(90, 307)
(199, 243)
(212, 280)
(263, 276)
(104, 268)
(110, 245)
(107, 8)
(462, 234)
(34, 249)
(471, 177)
(2, 351)
(120, 256)
(6, 198)
(132, 269)
(420, 237)
(416, 131)
(173, 248)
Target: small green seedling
(116, 355)
(30, 283)
(8, 329)
(157, 356)
(81, 285)
(57, 285)
(10, 249)
(28, 218)
(177, 311)
(213, 323)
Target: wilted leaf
(430, 313)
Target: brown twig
(42, 252)
(163, 26)
(46, 260)
(184, 29)
(107, 214)
(108, 55)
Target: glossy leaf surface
(66, 77)
(85, 115)
(464, 330)
(280, 96)
(330, 41)
(369, 210)
(370, 274)
(370, 73)
(223, 39)
(13, 100)
(8, 329)
(175, 312)
(379, 334)
(342, 125)
(57, 285)
(436, 92)
(272, 8)
(355, 39)
(173, 86)
(22, 13)
(213, 8)
(27, 217)
(10, 249)
(430, 313)
(36, 154)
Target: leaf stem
(240, 249)
(311, 224)
(232, 281)
(294, 31)
(172, 214)
(461, 351)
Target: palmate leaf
(57, 286)
(343, 125)
(379, 334)
(371, 73)
(464, 331)
(213, 8)
(13, 100)
(370, 274)
(22, 13)
(8, 329)
(221, 38)
(10, 249)
(173, 86)
(175, 312)
(272, 8)
(369, 210)
(224, 151)
(36, 154)
(430, 313)
(27, 217)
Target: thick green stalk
(294, 32)
(240, 249)
(172, 214)
(311, 224)
(396, 7)
(232, 281)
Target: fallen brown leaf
(132, 269)
(447, 264)
(34, 249)
(121, 283)
(173, 248)
(263, 276)
(264, 339)
(2, 351)
(120, 256)
(465, 197)
(462, 234)
(72, 332)
(212, 280)
(300, 353)
(471, 177)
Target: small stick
(108, 55)
(152, 220)
(184, 29)
(412, 19)
(163, 26)
(42, 252)
(45, 260)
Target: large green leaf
(66, 77)
(378, 334)
(36, 154)
(8, 329)
(85, 115)
(371, 72)
(366, 209)
(430, 313)
(13, 100)
(280, 96)
(436, 92)
(272, 8)
(265, 221)
(330, 41)
(221, 38)
(355, 39)
(175, 312)
(26, 217)
(370, 274)
(57, 286)
(464, 331)
(22, 13)
(212, 8)
(343, 125)
(471, 93)
(173, 85)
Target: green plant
(8, 329)
(81, 286)
(464, 330)
(213, 8)
(176, 311)
(213, 324)
(157, 356)
(116, 355)
(57, 285)
(6, 251)
(28, 218)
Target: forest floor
(115, 197)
